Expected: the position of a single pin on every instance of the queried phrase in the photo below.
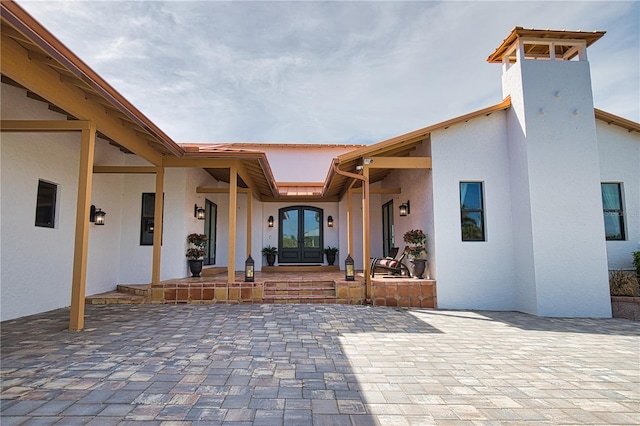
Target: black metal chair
(391, 264)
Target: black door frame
(388, 236)
(301, 253)
(211, 227)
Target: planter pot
(419, 266)
(271, 259)
(331, 258)
(195, 266)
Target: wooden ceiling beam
(400, 163)
(44, 125)
(204, 163)
(126, 169)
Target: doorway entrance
(388, 237)
(301, 235)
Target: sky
(326, 72)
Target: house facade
(527, 204)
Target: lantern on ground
(248, 270)
(349, 271)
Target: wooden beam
(126, 169)
(246, 176)
(81, 244)
(205, 163)
(220, 190)
(157, 226)
(379, 190)
(44, 125)
(233, 220)
(41, 79)
(400, 163)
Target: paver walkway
(317, 364)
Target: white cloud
(325, 71)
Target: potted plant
(270, 252)
(196, 253)
(416, 240)
(331, 252)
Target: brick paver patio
(317, 364)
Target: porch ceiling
(337, 184)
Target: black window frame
(147, 218)
(46, 204)
(466, 211)
(619, 212)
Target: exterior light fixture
(96, 215)
(367, 160)
(405, 209)
(198, 212)
(349, 272)
(248, 269)
(270, 222)
(330, 221)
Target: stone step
(300, 299)
(299, 290)
(114, 297)
(135, 289)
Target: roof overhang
(542, 49)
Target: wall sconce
(349, 272)
(248, 269)
(405, 209)
(96, 215)
(330, 221)
(270, 222)
(198, 212)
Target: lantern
(349, 270)
(248, 270)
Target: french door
(300, 238)
(388, 237)
(210, 225)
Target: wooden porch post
(157, 226)
(233, 212)
(85, 179)
(349, 221)
(249, 221)
(366, 224)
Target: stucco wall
(103, 257)
(180, 196)
(36, 262)
(473, 274)
(620, 162)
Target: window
(46, 204)
(613, 213)
(472, 211)
(147, 218)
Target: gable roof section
(399, 146)
(44, 48)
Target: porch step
(301, 268)
(300, 292)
